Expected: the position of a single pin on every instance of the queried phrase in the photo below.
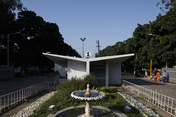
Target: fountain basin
(80, 94)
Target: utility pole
(98, 48)
(83, 39)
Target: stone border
(141, 107)
(120, 114)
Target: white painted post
(172, 105)
(161, 100)
(87, 67)
(8, 102)
(164, 100)
(168, 104)
(107, 74)
(4, 101)
(153, 97)
(17, 96)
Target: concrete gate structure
(107, 69)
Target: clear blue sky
(108, 21)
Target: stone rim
(88, 98)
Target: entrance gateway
(107, 69)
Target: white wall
(114, 72)
(76, 69)
(61, 67)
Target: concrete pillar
(107, 73)
(87, 67)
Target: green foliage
(168, 4)
(44, 37)
(111, 100)
(110, 89)
(65, 88)
(91, 80)
(160, 47)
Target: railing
(162, 101)
(10, 100)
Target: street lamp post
(8, 46)
(83, 39)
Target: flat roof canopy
(57, 58)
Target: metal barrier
(162, 101)
(10, 100)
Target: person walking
(164, 76)
(153, 75)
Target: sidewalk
(146, 103)
(27, 103)
(23, 105)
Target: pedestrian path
(146, 103)
(167, 88)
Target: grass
(63, 99)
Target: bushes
(111, 89)
(65, 88)
(91, 80)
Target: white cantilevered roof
(55, 58)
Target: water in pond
(82, 94)
(78, 111)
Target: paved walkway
(164, 88)
(146, 103)
(167, 88)
(15, 84)
(23, 105)
(153, 107)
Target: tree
(7, 13)
(168, 4)
(38, 36)
(160, 47)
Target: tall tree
(168, 4)
(160, 46)
(38, 36)
(7, 13)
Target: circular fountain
(87, 95)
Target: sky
(108, 21)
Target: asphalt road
(168, 89)
(20, 83)
(9, 86)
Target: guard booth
(107, 69)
